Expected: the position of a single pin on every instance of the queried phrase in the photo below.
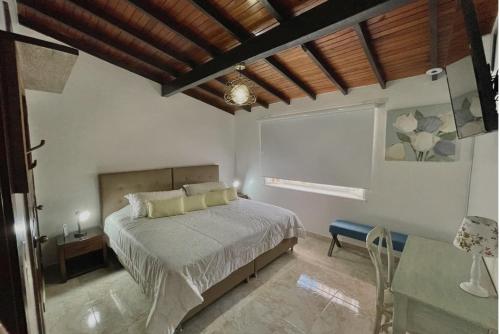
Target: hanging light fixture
(239, 91)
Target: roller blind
(332, 147)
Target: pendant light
(239, 91)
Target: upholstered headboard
(113, 186)
(194, 174)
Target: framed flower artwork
(425, 133)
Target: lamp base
(474, 289)
(80, 234)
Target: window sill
(323, 189)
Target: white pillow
(201, 188)
(138, 201)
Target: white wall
(483, 199)
(109, 119)
(427, 199)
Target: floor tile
(302, 292)
(342, 317)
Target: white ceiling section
(330, 147)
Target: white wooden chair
(375, 241)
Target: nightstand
(80, 255)
(242, 195)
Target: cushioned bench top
(359, 232)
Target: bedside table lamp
(236, 184)
(81, 217)
(479, 236)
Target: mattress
(175, 259)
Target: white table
(427, 296)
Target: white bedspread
(175, 259)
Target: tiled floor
(301, 292)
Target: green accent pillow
(165, 207)
(231, 194)
(193, 203)
(217, 197)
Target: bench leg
(332, 244)
(337, 241)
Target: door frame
(12, 314)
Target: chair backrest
(376, 239)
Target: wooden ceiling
(164, 39)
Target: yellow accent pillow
(165, 207)
(217, 197)
(231, 194)
(193, 203)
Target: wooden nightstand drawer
(78, 250)
(83, 247)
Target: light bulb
(236, 184)
(83, 216)
(240, 93)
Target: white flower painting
(424, 133)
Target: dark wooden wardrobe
(21, 278)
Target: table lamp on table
(81, 216)
(478, 236)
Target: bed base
(235, 278)
(113, 186)
(240, 275)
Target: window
(327, 152)
(325, 189)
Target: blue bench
(359, 232)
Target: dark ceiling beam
(259, 82)
(219, 95)
(311, 52)
(323, 65)
(96, 53)
(280, 67)
(129, 29)
(304, 28)
(42, 8)
(170, 23)
(102, 15)
(360, 29)
(261, 102)
(241, 34)
(233, 28)
(433, 25)
(39, 42)
(195, 94)
(86, 48)
(273, 10)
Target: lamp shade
(478, 235)
(82, 216)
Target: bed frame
(113, 186)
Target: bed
(184, 263)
